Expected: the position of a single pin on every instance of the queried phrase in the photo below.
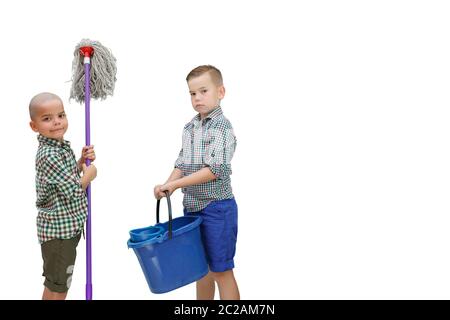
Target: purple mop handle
(87, 98)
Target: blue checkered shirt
(207, 143)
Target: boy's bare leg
(206, 287)
(50, 295)
(228, 288)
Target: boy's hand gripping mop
(94, 75)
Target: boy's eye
(192, 94)
(62, 115)
(204, 91)
(45, 119)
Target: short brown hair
(215, 73)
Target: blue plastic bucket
(173, 257)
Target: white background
(341, 110)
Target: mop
(94, 75)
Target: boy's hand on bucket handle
(169, 186)
(157, 192)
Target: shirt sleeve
(179, 161)
(220, 151)
(67, 183)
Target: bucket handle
(170, 212)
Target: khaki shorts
(59, 258)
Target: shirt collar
(213, 114)
(52, 142)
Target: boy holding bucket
(203, 172)
(61, 200)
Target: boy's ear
(221, 92)
(33, 126)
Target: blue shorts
(219, 233)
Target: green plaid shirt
(61, 201)
(207, 143)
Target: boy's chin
(54, 136)
(204, 109)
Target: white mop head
(103, 72)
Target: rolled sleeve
(67, 183)
(220, 170)
(220, 152)
(71, 189)
(179, 161)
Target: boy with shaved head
(61, 198)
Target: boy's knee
(220, 276)
(207, 278)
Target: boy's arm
(201, 176)
(56, 173)
(217, 161)
(175, 175)
(89, 174)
